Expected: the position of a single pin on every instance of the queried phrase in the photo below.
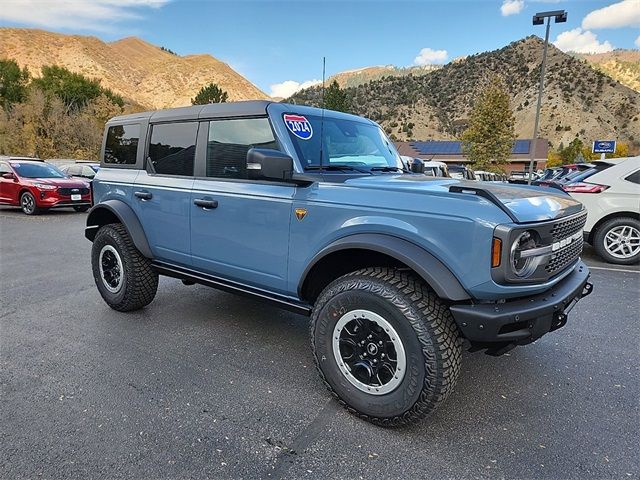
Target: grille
(564, 257)
(566, 228)
(68, 191)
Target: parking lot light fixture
(560, 16)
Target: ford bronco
(314, 211)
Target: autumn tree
(336, 98)
(210, 94)
(13, 83)
(489, 139)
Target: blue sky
(279, 45)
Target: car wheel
(28, 204)
(81, 208)
(618, 240)
(385, 345)
(122, 274)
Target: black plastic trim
(277, 299)
(481, 192)
(127, 217)
(432, 270)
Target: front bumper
(500, 326)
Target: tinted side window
(122, 144)
(173, 148)
(230, 140)
(634, 177)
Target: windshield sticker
(299, 126)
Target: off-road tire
(32, 208)
(140, 281)
(81, 208)
(428, 332)
(601, 232)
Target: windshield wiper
(389, 169)
(334, 167)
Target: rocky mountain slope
(139, 71)
(578, 102)
(621, 65)
(360, 76)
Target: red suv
(36, 186)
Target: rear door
(240, 226)
(162, 192)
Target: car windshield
(37, 170)
(353, 144)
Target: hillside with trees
(579, 101)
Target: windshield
(37, 170)
(345, 143)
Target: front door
(8, 186)
(162, 193)
(239, 226)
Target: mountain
(139, 71)
(360, 76)
(579, 101)
(621, 65)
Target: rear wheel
(28, 204)
(122, 274)
(385, 345)
(618, 241)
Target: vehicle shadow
(16, 211)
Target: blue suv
(314, 211)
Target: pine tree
(335, 98)
(210, 94)
(489, 139)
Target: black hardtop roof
(211, 110)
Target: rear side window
(230, 140)
(122, 144)
(172, 148)
(634, 177)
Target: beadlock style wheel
(369, 352)
(111, 270)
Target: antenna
(324, 62)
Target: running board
(233, 287)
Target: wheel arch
(599, 223)
(116, 211)
(377, 250)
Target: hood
(524, 203)
(60, 182)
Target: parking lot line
(613, 269)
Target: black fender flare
(103, 213)
(426, 265)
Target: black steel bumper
(500, 326)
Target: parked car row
(36, 186)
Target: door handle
(206, 204)
(143, 195)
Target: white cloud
(621, 14)
(428, 56)
(511, 7)
(637, 42)
(289, 87)
(97, 15)
(580, 41)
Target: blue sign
(604, 146)
(298, 125)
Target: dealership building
(451, 152)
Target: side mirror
(9, 176)
(269, 164)
(417, 166)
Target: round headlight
(523, 266)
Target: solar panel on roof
(521, 147)
(438, 147)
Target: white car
(612, 199)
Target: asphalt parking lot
(205, 384)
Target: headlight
(44, 186)
(523, 265)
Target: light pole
(538, 19)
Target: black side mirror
(9, 176)
(417, 166)
(269, 164)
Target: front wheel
(28, 204)
(123, 275)
(618, 241)
(385, 345)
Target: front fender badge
(301, 213)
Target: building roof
(452, 149)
